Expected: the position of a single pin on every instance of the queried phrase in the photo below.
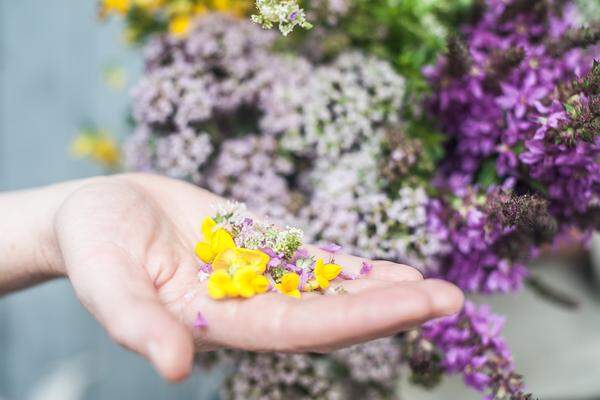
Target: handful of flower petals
(244, 257)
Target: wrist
(30, 252)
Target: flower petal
(225, 259)
(208, 225)
(200, 322)
(331, 271)
(221, 240)
(260, 284)
(254, 258)
(204, 252)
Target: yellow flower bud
(289, 285)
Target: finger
(382, 270)
(352, 287)
(330, 322)
(121, 296)
(274, 322)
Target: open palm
(127, 245)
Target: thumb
(123, 299)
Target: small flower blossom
(365, 268)
(180, 26)
(220, 285)
(289, 285)
(331, 248)
(285, 13)
(214, 242)
(324, 274)
(201, 322)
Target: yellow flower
(179, 26)
(200, 9)
(150, 5)
(116, 6)
(222, 5)
(214, 242)
(324, 273)
(97, 146)
(233, 258)
(289, 284)
(220, 285)
(233, 7)
(248, 283)
(179, 7)
(208, 228)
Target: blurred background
(55, 62)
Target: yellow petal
(218, 284)
(180, 26)
(225, 260)
(254, 258)
(245, 291)
(208, 225)
(294, 293)
(290, 281)
(243, 279)
(331, 271)
(221, 240)
(232, 290)
(319, 267)
(216, 292)
(260, 284)
(323, 282)
(200, 9)
(204, 252)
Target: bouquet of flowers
(463, 171)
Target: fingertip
(173, 355)
(446, 298)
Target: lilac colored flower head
(201, 322)
(331, 248)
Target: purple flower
(331, 248)
(201, 322)
(365, 268)
(472, 346)
(519, 99)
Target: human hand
(126, 243)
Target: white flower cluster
(287, 14)
(348, 207)
(337, 106)
(181, 154)
(249, 170)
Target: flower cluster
(249, 169)
(471, 345)
(367, 371)
(505, 95)
(244, 257)
(287, 14)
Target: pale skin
(126, 244)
